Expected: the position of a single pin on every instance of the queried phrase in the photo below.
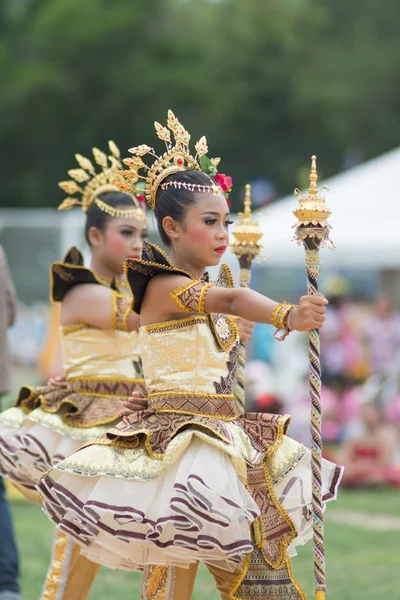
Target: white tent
(365, 204)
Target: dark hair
(95, 217)
(173, 202)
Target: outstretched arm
(180, 295)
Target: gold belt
(105, 386)
(220, 406)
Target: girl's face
(203, 236)
(122, 238)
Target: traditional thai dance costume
(102, 367)
(189, 478)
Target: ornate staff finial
(312, 190)
(247, 234)
(247, 201)
(312, 212)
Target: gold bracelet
(280, 315)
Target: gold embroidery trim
(120, 443)
(120, 312)
(283, 512)
(257, 526)
(234, 330)
(166, 395)
(241, 575)
(199, 301)
(125, 319)
(202, 298)
(114, 311)
(149, 263)
(134, 441)
(293, 580)
(175, 295)
(132, 263)
(175, 324)
(96, 380)
(67, 421)
(228, 274)
(71, 419)
(105, 281)
(72, 328)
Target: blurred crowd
(360, 360)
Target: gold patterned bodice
(100, 353)
(88, 352)
(184, 356)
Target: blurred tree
(270, 83)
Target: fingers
(133, 405)
(246, 323)
(58, 382)
(137, 395)
(319, 299)
(245, 329)
(140, 402)
(309, 314)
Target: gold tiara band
(138, 213)
(192, 187)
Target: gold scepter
(312, 230)
(246, 246)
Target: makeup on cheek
(199, 233)
(116, 241)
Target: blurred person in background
(9, 564)
(340, 409)
(340, 343)
(369, 457)
(381, 337)
(258, 381)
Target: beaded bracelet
(289, 318)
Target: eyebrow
(212, 212)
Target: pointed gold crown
(312, 212)
(93, 184)
(176, 158)
(247, 232)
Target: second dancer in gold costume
(101, 354)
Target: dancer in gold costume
(101, 355)
(191, 479)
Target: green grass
(361, 564)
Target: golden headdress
(97, 183)
(177, 158)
